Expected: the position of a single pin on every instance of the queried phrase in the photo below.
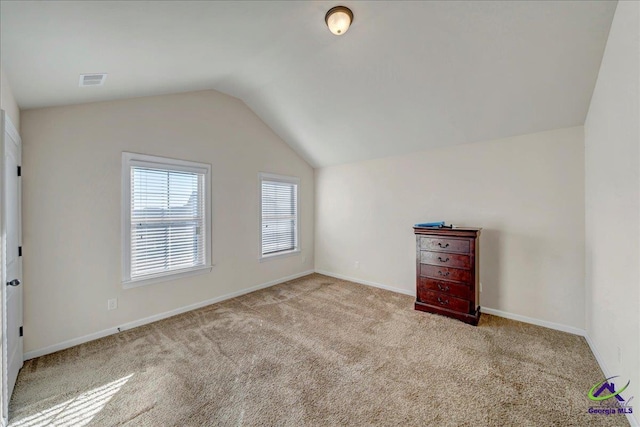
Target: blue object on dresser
(430, 224)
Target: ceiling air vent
(92, 79)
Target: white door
(12, 228)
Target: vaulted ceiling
(407, 76)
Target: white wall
(72, 199)
(7, 101)
(612, 172)
(527, 193)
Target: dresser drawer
(450, 288)
(443, 300)
(445, 273)
(445, 259)
(445, 245)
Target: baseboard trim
(130, 325)
(598, 356)
(367, 282)
(533, 321)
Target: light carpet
(315, 351)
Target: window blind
(279, 217)
(167, 221)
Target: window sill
(128, 284)
(278, 255)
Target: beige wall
(527, 193)
(72, 194)
(612, 171)
(8, 102)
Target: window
(166, 219)
(278, 215)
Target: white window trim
(279, 178)
(135, 159)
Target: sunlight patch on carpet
(78, 411)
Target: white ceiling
(407, 76)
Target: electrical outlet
(619, 355)
(112, 304)
(480, 287)
(304, 259)
(356, 264)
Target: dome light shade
(339, 19)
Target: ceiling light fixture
(339, 19)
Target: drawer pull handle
(443, 274)
(443, 288)
(443, 301)
(446, 245)
(443, 260)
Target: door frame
(6, 126)
(4, 404)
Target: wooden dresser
(447, 272)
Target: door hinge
(20, 330)
(19, 171)
(19, 250)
